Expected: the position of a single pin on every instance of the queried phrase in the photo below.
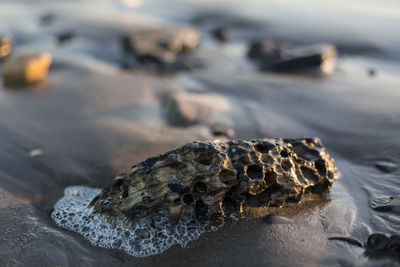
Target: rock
(160, 46)
(5, 46)
(311, 59)
(265, 51)
(215, 179)
(273, 219)
(386, 166)
(65, 36)
(47, 19)
(222, 130)
(221, 33)
(371, 72)
(319, 58)
(25, 69)
(377, 242)
(185, 109)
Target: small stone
(222, 130)
(5, 46)
(386, 166)
(160, 46)
(47, 19)
(25, 69)
(319, 58)
(65, 36)
(371, 72)
(185, 109)
(274, 219)
(221, 33)
(377, 242)
(265, 51)
(35, 153)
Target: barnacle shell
(215, 179)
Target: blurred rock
(25, 69)
(313, 59)
(160, 46)
(184, 109)
(221, 33)
(371, 72)
(5, 46)
(65, 36)
(377, 242)
(265, 51)
(222, 130)
(47, 19)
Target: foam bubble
(140, 239)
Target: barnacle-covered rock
(215, 179)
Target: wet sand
(93, 120)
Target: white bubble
(140, 239)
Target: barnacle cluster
(212, 180)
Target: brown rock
(25, 69)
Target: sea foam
(140, 239)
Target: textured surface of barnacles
(213, 180)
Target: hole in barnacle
(176, 188)
(284, 153)
(125, 194)
(309, 174)
(201, 210)
(264, 147)
(255, 172)
(206, 158)
(305, 152)
(320, 166)
(286, 165)
(270, 177)
(118, 183)
(187, 199)
(200, 187)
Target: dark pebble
(222, 34)
(371, 72)
(377, 242)
(65, 36)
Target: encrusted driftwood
(215, 179)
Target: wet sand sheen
(86, 122)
